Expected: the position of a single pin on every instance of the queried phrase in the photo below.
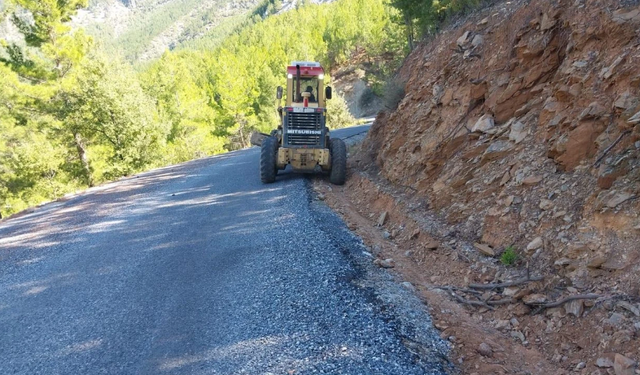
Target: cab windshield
(307, 84)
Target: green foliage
(178, 84)
(338, 115)
(72, 116)
(105, 104)
(48, 19)
(509, 256)
(392, 93)
(422, 17)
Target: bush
(393, 92)
(509, 256)
(367, 98)
(338, 115)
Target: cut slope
(506, 123)
(521, 128)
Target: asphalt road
(201, 269)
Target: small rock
(593, 111)
(386, 263)
(615, 320)
(580, 64)
(497, 150)
(510, 291)
(629, 307)
(484, 124)
(519, 335)
(625, 101)
(581, 365)
(409, 286)
(502, 324)
(635, 119)
(518, 132)
(606, 361)
(562, 262)
(477, 40)
(547, 23)
(386, 235)
(546, 204)
(614, 264)
(483, 22)
(575, 308)
(597, 262)
(485, 350)
(432, 245)
(462, 41)
(622, 16)
(532, 180)
(505, 178)
(618, 199)
(415, 234)
(321, 197)
(382, 219)
(485, 249)
(509, 200)
(623, 365)
(607, 72)
(535, 244)
(534, 299)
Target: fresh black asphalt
(201, 269)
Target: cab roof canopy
(307, 68)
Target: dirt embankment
(520, 130)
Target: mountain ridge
(141, 30)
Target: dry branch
(506, 284)
(565, 300)
(504, 301)
(606, 151)
(462, 300)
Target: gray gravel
(201, 269)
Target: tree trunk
(84, 159)
(409, 24)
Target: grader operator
(302, 139)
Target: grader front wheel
(268, 160)
(338, 150)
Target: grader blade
(257, 138)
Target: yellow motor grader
(302, 139)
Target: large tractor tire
(268, 160)
(338, 150)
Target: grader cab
(302, 139)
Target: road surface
(200, 269)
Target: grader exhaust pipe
(299, 95)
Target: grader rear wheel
(338, 150)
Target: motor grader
(302, 139)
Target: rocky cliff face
(522, 127)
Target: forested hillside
(142, 30)
(73, 115)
